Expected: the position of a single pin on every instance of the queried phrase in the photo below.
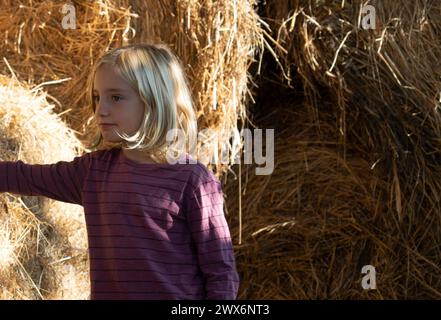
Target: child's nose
(102, 107)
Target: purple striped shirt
(155, 231)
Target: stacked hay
(216, 41)
(38, 48)
(311, 225)
(43, 243)
(357, 177)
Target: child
(156, 230)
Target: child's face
(121, 107)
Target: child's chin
(110, 140)
(110, 137)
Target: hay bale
(43, 243)
(356, 179)
(310, 227)
(40, 51)
(384, 83)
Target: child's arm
(210, 232)
(60, 181)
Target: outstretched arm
(210, 232)
(60, 181)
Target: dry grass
(357, 177)
(310, 227)
(43, 243)
(42, 53)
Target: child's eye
(116, 98)
(95, 98)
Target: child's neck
(138, 156)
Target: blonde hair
(155, 73)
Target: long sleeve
(60, 181)
(211, 235)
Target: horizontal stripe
(149, 228)
(149, 281)
(175, 244)
(140, 174)
(125, 215)
(155, 218)
(212, 205)
(135, 292)
(138, 205)
(143, 194)
(107, 191)
(154, 281)
(155, 261)
(116, 183)
(164, 262)
(142, 270)
(161, 251)
(216, 262)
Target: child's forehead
(109, 80)
(114, 90)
